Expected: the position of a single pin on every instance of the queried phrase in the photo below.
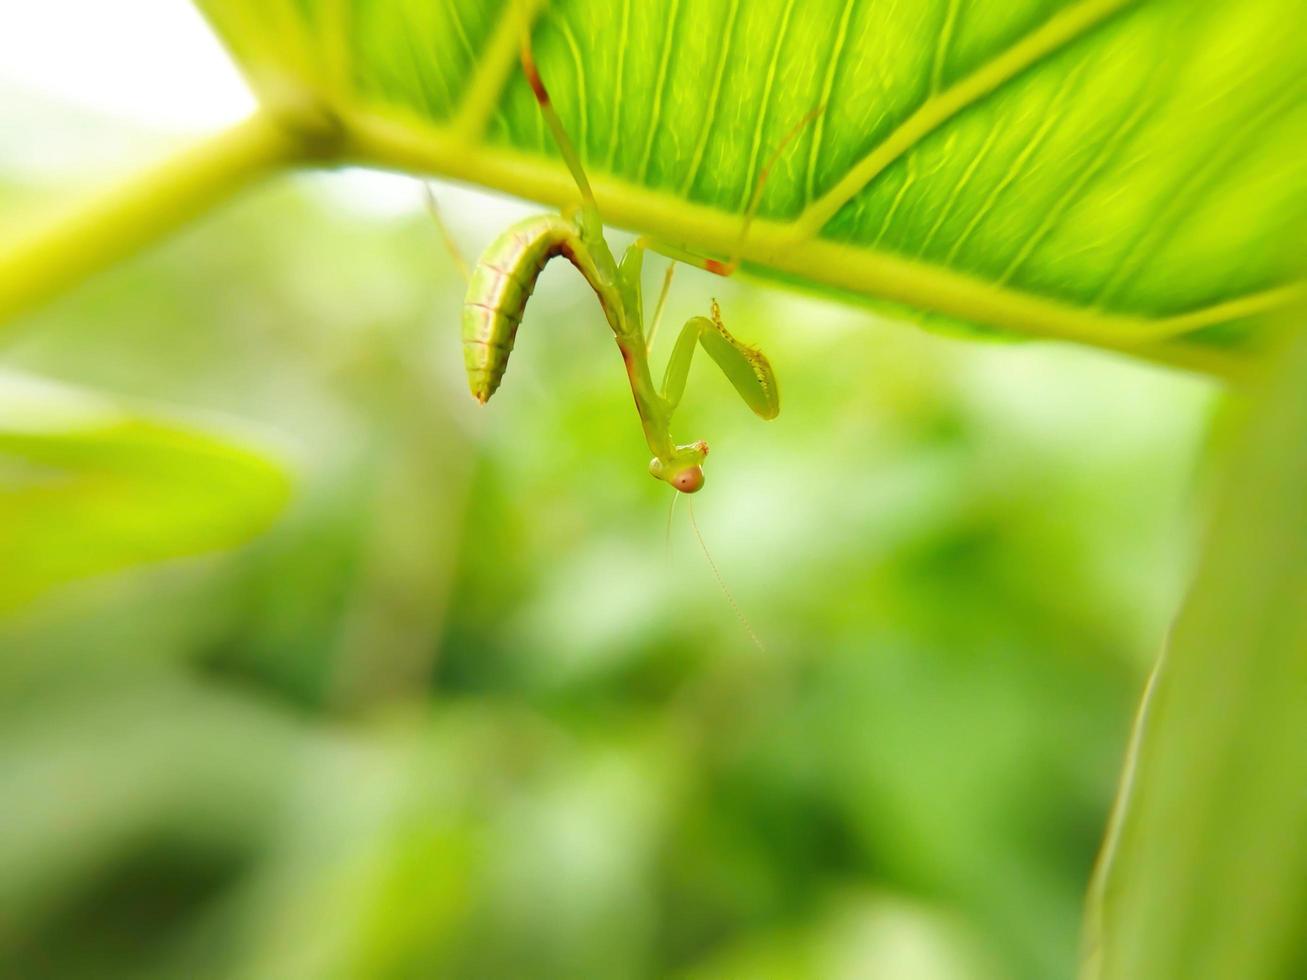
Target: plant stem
(408, 147)
(115, 223)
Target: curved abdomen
(501, 283)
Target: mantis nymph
(505, 276)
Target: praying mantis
(505, 275)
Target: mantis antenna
(716, 572)
(735, 606)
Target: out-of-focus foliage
(464, 711)
(461, 714)
(1104, 160)
(1204, 869)
(87, 486)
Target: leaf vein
(459, 29)
(1052, 215)
(946, 210)
(490, 73)
(659, 90)
(623, 41)
(1178, 203)
(714, 98)
(1018, 165)
(581, 93)
(942, 47)
(769, 88)
(419, 79)
(827, 87)
(1063, 28)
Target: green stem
(409, 147)
(93, 234)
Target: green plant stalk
(412, 146)
(1203, 873)
(48, 259)
(93, 234)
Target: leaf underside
(1118, 172)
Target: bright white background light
(88, 86)
(151, 62)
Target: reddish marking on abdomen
(719, 268)
(495, 310)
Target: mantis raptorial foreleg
(745, 367)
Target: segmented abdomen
(501, 283)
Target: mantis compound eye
(688, 480)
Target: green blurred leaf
(1110, 171)
(1202, 873)
(87, 487)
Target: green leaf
(1202, 873)
(87, 487)
(1122, 173)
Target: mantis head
(683, 470)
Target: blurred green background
(469, 710)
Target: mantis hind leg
(586, 217)
(447, 236)
(728, 267)
(591, 222)
(716, 266)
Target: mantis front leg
(745, 367)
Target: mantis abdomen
(500, 286)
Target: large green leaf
(87, 486)
(1202, 875)
(1110, 171)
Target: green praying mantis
(505, 275)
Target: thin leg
(678, 365)
(658, 310)
(433, 209)
(570, 156)
(715, 266)
(761, 182)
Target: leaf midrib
(411, 144)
